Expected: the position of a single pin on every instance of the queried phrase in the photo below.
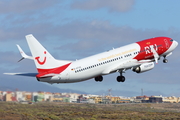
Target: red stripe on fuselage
(160, 44)
(57, 70)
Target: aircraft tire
(98, 79)
(120, 78)
(165, 61)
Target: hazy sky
(73, 29)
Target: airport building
(21, 96)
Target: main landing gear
(121, 78)
(98, 79)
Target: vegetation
(67, 111)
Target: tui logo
(41, 62)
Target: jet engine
(144, 67)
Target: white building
(48, 96)
(34, 96)
(20, 96)
(74, 97)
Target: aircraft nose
(175, 44)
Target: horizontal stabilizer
(23, 54)
(23, 74)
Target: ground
(68, 111)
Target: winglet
(23, 54)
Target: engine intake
(144, 67)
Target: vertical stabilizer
(44, 61)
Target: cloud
(19, 6)
(19, 16)
(97, 36)
(9, 63)
(112, 5)
(107, 32)
(18, 32)
(92, 37)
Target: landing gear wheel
(98, 79)
(120, 78)
(165, 61)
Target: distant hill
(31, 86)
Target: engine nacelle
(144, 67)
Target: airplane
(138, 57)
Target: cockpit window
(171, 40)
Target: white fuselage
(139, 57)
(101, 64)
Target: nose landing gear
(165, 60)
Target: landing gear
(98, 79)
(120, 78)
(165, 60)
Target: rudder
(44, 61)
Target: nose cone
(172, 47)
(175, 44)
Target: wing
(123, 66)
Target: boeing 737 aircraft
(138, 57)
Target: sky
(74, 29)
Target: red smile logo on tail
(41, 63)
